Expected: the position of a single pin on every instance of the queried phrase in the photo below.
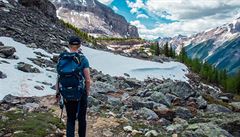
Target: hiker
(74, 89)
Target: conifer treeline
(206, 71)
(93, 40)
(83, 35)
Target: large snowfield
(22, 84)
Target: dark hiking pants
(72, 108)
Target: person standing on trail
(73, 86)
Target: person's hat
(74, 40)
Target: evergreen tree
(170, 52)
(182, 55)
(166, 50)
(157, 50)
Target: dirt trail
(96, 126)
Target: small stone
(151, 133)
(135, 132)
(39, 87)
(128, 128)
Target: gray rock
(7, 51)
(152, 133)
(1, 44)
(147, 114)
(183, 112)
(115, 102)
(39, 87)
(132, 82)
(44, 6)
(2, 75)
(128, 128)
(27, 68)
(236, 106)
(202, 103)
(224, 99)
(93, 101)
(214, 108)
(205, 130)
(30, 107)
(164, 122)
(102, 87)
(183, 90)
(10, 99)
(138, 103)
(160, 98)
(175, 128)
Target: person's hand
(58, 97)
(88, 92)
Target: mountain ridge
(218, 46)
(95, 18)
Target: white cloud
(191, 9)
(182, 27)
(142, 16)
(115, 8)
(106, 2)
(135, 6)
(192, 16)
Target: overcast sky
(167, 18)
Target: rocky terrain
(118, 106)
(127, 107)
(218, 46)
(95, 18)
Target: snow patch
(21, 83)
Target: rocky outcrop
(6, 51)
(27, 68)
(95, 17)
(33, 22)
(44, 6)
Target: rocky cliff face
(33, 22)
(94, 17)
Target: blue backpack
(71, 83)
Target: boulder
(183, 112)
(205, 130)
(102, 87)
(164, 122)
(27, 68)
(202, 103)
(93, 101)
(1, 44)
(214, 108)
(165, 113)
(30, 107)
(138, 103)
(183, 90)
(2, 75)
(236, 106)
(7, 51)
(10, 99)
(147, 114)
(160, 98)
(132, 82)
(115, 102)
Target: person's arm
(57, 91)
(86, 72)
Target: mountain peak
(94, 18)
